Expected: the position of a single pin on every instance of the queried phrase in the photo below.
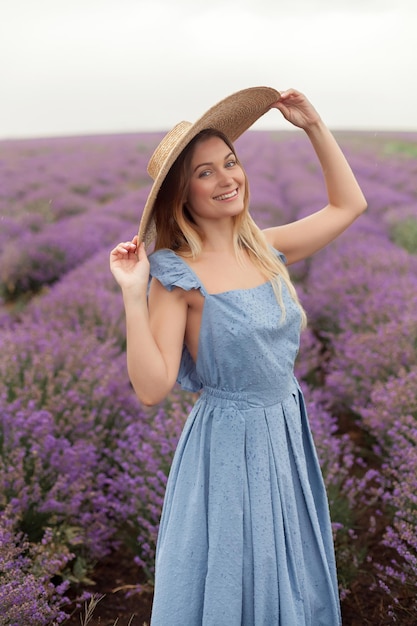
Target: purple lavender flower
(83, 466)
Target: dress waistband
(249, 399)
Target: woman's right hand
(130, 266)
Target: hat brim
(232, 116)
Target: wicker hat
(232, 116)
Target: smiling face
(217, 181)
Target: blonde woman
(245, 535)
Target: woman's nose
(226, 179)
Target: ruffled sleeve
(172, 271)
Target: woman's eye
(231, 163)
(204, 173)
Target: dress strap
(172, 271)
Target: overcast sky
(99, 66)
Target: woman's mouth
(227, 196)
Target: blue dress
(245, 536)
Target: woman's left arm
(346, 201)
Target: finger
(283, 107)
(290, 94)
(124, 248)
(286, 94)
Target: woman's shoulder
(162, 257)
(278, 254)
(172, 271)
(272, 244)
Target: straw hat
(232, 116)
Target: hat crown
(165, 148)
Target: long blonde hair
(176, 229)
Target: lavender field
(83, 466)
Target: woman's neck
(218, 239)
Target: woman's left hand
(295, 107)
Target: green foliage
(404, 234)
(401, 147)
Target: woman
(245, 535)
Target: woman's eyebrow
(211, 163)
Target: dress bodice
(244, 345)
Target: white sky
(94, 66)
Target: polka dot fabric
(245, 536)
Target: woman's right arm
(155, 325)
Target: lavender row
(52, 197)
(89, 465)
(83, 467)
(361, 295)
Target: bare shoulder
(270, 235)
(174, 304)
(160, 295)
